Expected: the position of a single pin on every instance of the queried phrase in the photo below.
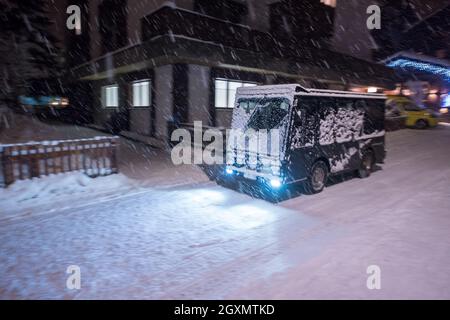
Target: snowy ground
(203, 241)
(145, 165)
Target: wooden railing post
(8, 174)
(114, 148)
(34, 161)
(2, 168)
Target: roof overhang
(169, 50)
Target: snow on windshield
(266, 113)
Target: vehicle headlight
(275, 183)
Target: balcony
(180, 24)
(190, 24)
(173, 35)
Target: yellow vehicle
(416, 116)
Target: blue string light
(446, 101)
(421, 66)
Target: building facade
(144, 65)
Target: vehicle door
(303, 133)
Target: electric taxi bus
(297, 135)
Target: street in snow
(203, 241)
(247, 150)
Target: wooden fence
(95, 157)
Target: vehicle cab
(257, 145)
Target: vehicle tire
(318, 178)
(421, 124)
(367, 164)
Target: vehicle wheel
(367, 163)
(421, 124)
(317, 179)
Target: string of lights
(421, 66)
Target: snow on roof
(346, 94)
(282, 89)
(292, 89)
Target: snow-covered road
(204, 241)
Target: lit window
(141, 93)
(226, 92)
(221, 94)
(331, 3)
(110, 96)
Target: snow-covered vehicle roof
(289, 90)
(280, 89)
(344, 94)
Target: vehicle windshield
(266, 113)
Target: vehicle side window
(305, 123)
(309, 122)
(374, 116)
(411, 107)
(393, 108)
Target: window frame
(227, 91)
(150, 96)
(104, 96)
